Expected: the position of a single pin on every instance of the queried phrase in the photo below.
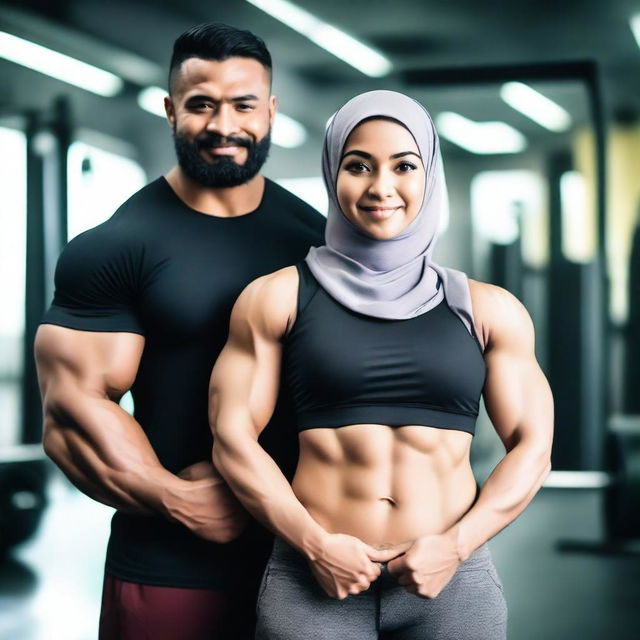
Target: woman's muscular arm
(244, 387)
(520, 405)
(519, 402)
(103, 450)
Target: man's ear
(273, 107)
(170, 111)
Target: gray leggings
(292, 605)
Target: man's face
(221, 114)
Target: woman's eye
(357, 167)
(405, 167)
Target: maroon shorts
(132, 611)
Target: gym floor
(50, 587)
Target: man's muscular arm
(103, 450)
(520, 405)
(244, 387)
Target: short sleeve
(97, 284)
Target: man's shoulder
(295, 206)
(150, 196)
(121, 224)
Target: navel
(390, 500)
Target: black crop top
(344, 368)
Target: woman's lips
(379, 213)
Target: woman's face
(381, 178)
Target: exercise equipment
(23, 478)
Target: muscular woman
(386, 354)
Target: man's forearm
(264, 491)
(105, 453)
(504, 496)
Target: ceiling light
(151, 100)
(480, 137)
(59, 66)
(634, 23)
(286, 132)
(337, 42)
(535, 106)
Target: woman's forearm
(503, 497)
(264, 491)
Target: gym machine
(24, 468)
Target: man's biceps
(87, 354)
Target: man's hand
(202, 501)
(202, 470)
(429, 564)
(346, 565)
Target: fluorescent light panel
(575, 220)
(480, 137)
(577, 480)
(634, 23)
(286, 132)
(59, 66)
(535, 106)
(151, 100)
(331, 39)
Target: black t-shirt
(163, 270)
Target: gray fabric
(395, 278)
(292, 606)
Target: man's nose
(222, 121)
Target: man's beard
(224, 171)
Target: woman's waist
(383, 513)
(286, 558)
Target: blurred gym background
(538, 109)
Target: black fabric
(345, 368)
(172, 274)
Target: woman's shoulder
(269, 301)
(275, 284)
(497, 312)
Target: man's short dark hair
(219, 42)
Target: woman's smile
(379, 213)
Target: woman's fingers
(386, 555)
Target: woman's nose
(381, 186)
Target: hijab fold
(396, 278)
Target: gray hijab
(395, 279)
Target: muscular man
(142, 302)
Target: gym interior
(538, 110)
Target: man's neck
(224, 203)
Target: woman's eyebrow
(355, 152)
(405, 153)
(367, 156)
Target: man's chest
(191, 284)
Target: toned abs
(385, 485)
